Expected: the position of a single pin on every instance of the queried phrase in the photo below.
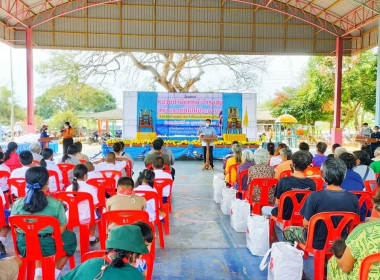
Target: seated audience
(247, 162)
(333, 147)
(260, 170)
(165, 151)
(157, 146)
(377, 155)
(320, 157)
(79, 185)
(352, 181)
(286, 155)
(375, 165)
(118, 149)
(26, 159)
(119, 260)
(363, 241)
(35, 149)
(4, 229)
(3, 181)
(79, 154)
(303, 146)
(111, 163)
(338, 151)
(37, 203)
(9, 268)
(70, 157)
(159, 173)
(362, 166)
(229, 155)
(48, 162)
(276, 159)
(11, 158)
(147, 235)
(91, 174)
(235, 159)
(270, 149)
(331, 199)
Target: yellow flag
(245, 121)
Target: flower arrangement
(174, 143)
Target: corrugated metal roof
(230, 26)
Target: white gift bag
(218, 187)
(227, 195)
(286, 262)
(257, 235)
(218, 177)
(240, 210)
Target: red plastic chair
(364, 197)
(153, 195)
(242, 174)
(313, 171)
(159, 185)
(6, 175)
(371, 183)
(233, 167)
(65, 168)
(128, 169)
(19, 184)
(123, 217)
(83, 161)
(72, 201)
(103, 186)
(366, 264)
(54, 174)
(112, 174)
(347, 221)
(319, 183)
(149, 258)
(166, 167)
(296, 218)
(264, 184)
(3, 223)
(286, 173)
(31, 225)
(36, 162)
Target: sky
(281, 71)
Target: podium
(46, 141)
(208, 139)
(365, 140)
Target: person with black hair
(79, 185)
(270, 149)
(69, 157)
(303, 146)
(158, 169)
(145, 182)
(48, 162)
(26, 159)
(277, 159)
(320, 157)
(3, 181)
(331, 199)
(165, 151)
(11, 158)
(67, 134)
(79, 155)
(207, 130)
(37, 203)
(147, 235)
(353, 181)
(118, 148)
(111, 162)
(119, 260)
(125, 198)
(362, 166)
(157, 146)
(375, 135)
(298, 181)
(333, 147)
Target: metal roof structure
(203, 26)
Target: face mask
(207, 124)
(66, 126)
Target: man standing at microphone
(207, 130)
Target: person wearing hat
(67, 135)
(43, 134)
(124, 246)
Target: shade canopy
(286, 118)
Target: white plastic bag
(218, 187)
(257, 235)
(218, 177)
(227, 195)
(286, 262)
(240, 210)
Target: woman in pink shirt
(11, 158)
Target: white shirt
(50, 165)
(275, 161)
(150, 204)
(3, 181)
(36, 156)
(18, 173)
(160, 174)
(84, 208)
(362, 169)
(118, 166)
(94, 175)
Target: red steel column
(337, 132)
(29, 80)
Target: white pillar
(129, 114)
(377, 108)
(249, 102)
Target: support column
(336, 131)
(377, 108)
(29, 81)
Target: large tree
(5, 108)
(174, 72)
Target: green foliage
(5, 108)
(75, 98)
(57, 122)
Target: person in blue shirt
(353, 181)
(207, 130)
(43, 134)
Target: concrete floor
(201, 244)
